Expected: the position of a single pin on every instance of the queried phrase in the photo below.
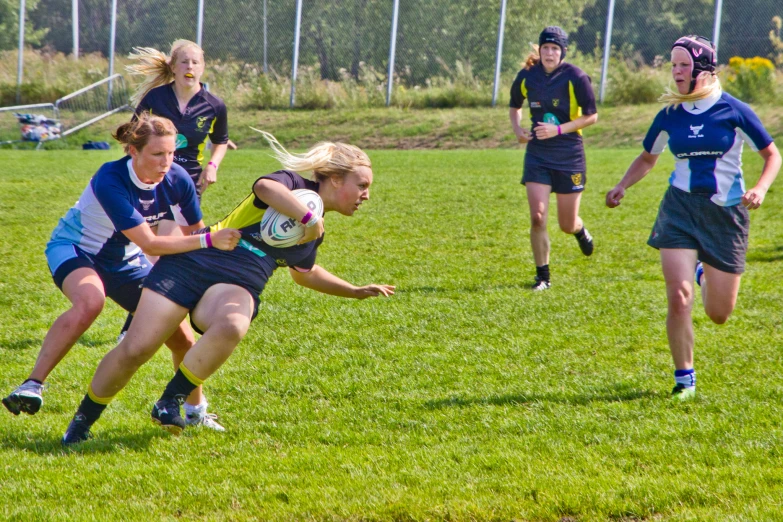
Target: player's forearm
(772, 163)
(515, 117)
(320, 280)
(218, 153)
(165, 245)
(579, 123)
(277, 196)
(636, 172)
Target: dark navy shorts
(561, 181)
(185, 278)
(693, 222)
(122, 280)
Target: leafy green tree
(9, 24)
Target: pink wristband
(559, 132)
(213, 164)
(307, 217)
(209, 240)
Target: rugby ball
(281, 231)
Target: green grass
(483, 128)
(463, 397)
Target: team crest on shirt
(576, 178)
(555, 102)
(281, 262)
(146, 203)
(696, 130)
(201, 121)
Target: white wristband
(203, 239)
(313, 220)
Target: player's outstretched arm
(640, 167)
(153, 245)
(320, 280)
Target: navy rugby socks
(542, 272)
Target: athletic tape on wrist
(313, 221)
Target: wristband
(559, 132)
(213, 164)
(307, 217)
(203, 240)
(208, 239)
(313, 221)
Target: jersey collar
(702, 106)
(135, 179)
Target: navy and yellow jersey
(205, 115)
(556, 98)
(247, 218)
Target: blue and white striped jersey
(116, 200)
(706, 139)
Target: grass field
(463, 397)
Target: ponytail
(325, 159)
(155, 66)
(137, 132)
(533, 58)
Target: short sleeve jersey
(205, 115)
(556, 98)
(247, 218)
(116, 200)
(706, 139)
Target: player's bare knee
(719, 315)
(180, 342)
(85, 311)
(680, 300)
(135, 354)
(538, 220)
(231, 328)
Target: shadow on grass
(617, 393)
(765, 254)
(103, 442)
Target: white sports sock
(688, 380)
(199, 410)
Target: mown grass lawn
(463, 397)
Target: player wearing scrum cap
(703, 220)
(562, 103)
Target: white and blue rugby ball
(281, 231)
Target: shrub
(750, 79)
(631, 82)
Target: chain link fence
(452, 44)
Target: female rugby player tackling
(98, 249)
(221, 290)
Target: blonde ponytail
(155, 66)
(324, 159)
